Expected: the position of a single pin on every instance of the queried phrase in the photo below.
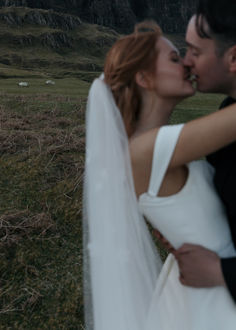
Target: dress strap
(164, 147)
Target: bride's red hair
(129, 55)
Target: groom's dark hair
(220, 16)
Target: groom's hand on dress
(199, 267)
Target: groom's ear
(232, 59)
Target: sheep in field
(23, 84)
(50, 82)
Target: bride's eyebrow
(174, 52)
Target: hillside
(172, 15)
(37, 42)
(45, 43)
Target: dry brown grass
(19, 225)
(42, 144)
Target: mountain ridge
(51, 43)
(172, 15)
(45, 41)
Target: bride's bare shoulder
(141, 154)
(141, 145)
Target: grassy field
(42, 141)
(41, 164)
(71, 87)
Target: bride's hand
(199, 267)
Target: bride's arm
(205, 135)
(198, 138)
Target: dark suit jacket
(224, 162)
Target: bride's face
(171, 78)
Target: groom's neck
(233, 94)
(232, 89)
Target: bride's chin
(191, 91)
(188, 93)
(193, 87)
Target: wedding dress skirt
(193, 215)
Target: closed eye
(194, 53)
(176, 59)
(193, 50)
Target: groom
(211, 56)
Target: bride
(138, 167)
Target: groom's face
(210, 70)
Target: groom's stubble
(209, 67)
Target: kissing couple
(140, 169)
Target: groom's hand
(199, 267)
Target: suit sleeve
(229, 271)
(227, 154)
(215, 158)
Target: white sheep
(23, 84)
(50, 82)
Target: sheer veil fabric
(121, 264)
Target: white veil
(121, 264)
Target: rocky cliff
(49, 41)
(56, 36)
(172, 15)
(41, 17)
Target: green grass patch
(71, 87)
(196, 106)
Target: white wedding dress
(194, 215)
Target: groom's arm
(200, 267)
(224, 162)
